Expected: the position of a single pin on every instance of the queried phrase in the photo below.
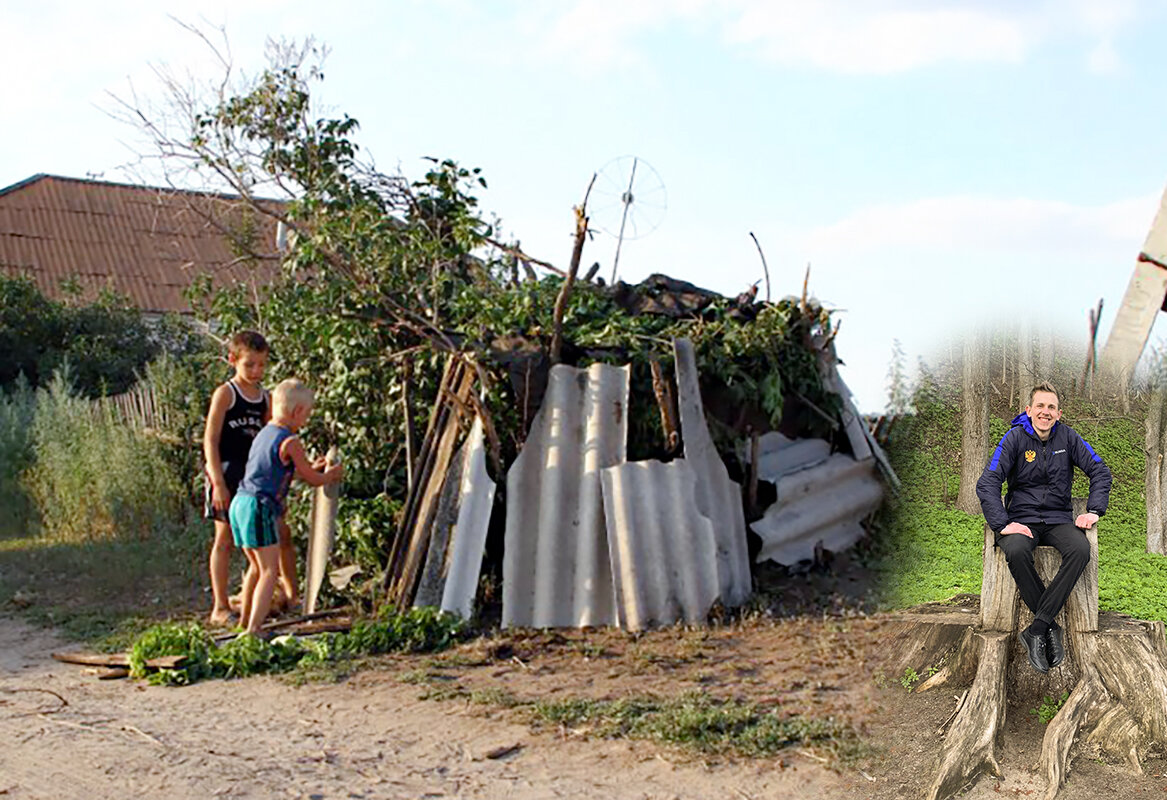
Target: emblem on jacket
(1029, 456)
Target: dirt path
(367, 737)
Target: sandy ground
(367, 737)
(65, 734)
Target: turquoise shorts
(253, 521)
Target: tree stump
(1115, 672)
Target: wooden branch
(765, 269)
(581, 232)
(410, 443)
(519, 254)
(667, 404)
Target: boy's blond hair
(290, 394)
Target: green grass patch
(696, 721)
(105, 591)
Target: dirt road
(367, 737)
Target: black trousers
(1046, 601)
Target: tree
(899, 392)
(974, 421)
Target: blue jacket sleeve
(993, 478)
(1096, 470)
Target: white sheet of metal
(664, 552)
(718, 497)
(325, 500)
(556, 569)
(820, 504)
(476, 500)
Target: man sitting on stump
(1037, 458)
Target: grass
(698, 722)
(104, 591)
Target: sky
(938, 165)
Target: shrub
(92, 476)
(16, 412)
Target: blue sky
(939, 164)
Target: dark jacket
(1040, 475)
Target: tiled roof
(142, 242)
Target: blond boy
(277, 455)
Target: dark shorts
(233, 478)
(253, 522)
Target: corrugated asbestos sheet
(556, 568)
(476, 499)
(142, 242)
(822, 504)
(664, 552)
(778, 455)
(718, 497)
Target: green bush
(16, 413)
(92, 476)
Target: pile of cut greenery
(420, 630)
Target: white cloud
(875, 37)
(988, 224)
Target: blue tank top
(267, 477)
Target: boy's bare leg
(288, 580)
(250, 580)
(220, 564)
(268, 561)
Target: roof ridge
(101, 182)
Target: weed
(696, 721)
(1049, 707)
(880, 678)
(909, 678)
(494, 696)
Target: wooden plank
(117, 660)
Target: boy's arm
(990, 483)
(220, 401)
(293, 450)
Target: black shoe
(1054, 648)
(1035, 646)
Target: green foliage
(91, 476)
(698, 721)
(174, 639)
(1049, 707)
(414, 631)
(16, 452)
(106, 343)
(909, 678)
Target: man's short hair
(247, 340)
(1044, 387)
(292, 393)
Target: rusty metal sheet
(718, 497)
(664, 551)
(143, 242)
(823, 504)
(556, 568)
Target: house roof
(142, 242)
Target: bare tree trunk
(1155, 473)
(1025, 367)
(1045, 357)
(974, 427)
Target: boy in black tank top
(239, 410)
